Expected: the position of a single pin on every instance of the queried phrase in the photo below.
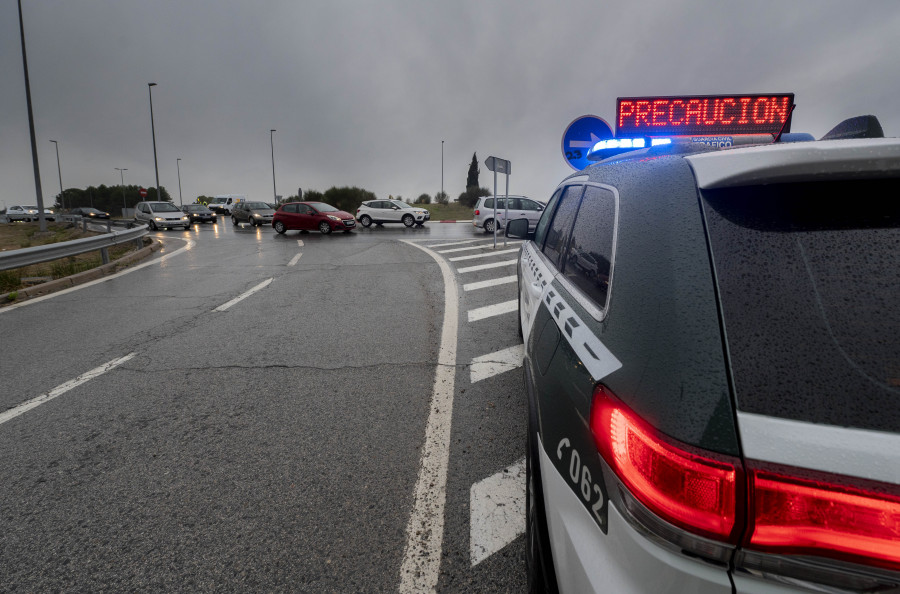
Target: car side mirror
(395, 207)
(518, 229)
(540, 208)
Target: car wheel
(233, 220)
(152, 225)
(538, 559)
(365, 220)
(324, 228)
(408, 220)
(489, 226)
(279, 227)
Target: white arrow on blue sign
(580, 136)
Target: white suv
(390, 211)
(163, 215)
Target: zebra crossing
(493, 276)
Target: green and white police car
(712, 365)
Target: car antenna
(786, 120)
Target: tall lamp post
(62, 197)
(272, 142)
(178, 165)
(153, 130)
(42, 221)
(122, 171)
(442, 168)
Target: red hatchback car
(312, 215)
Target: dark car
(255, 213)
(712, 371)
(199, 213)
(89, 213)
(308, 216)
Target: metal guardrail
(45, 253)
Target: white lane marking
(489, 311)
(188, 245)
(485, 255)
(486, 266)
(497, 511)
(454, 243)
(473, 247)
(295, 259)
(299, 243)
(491, 282)
(425, 530)
(243, 296)
(62, 389)
(496, 363)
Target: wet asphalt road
(273, 446)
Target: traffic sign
(580, 136)
(143, 192)
(498, 165)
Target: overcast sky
(363, 92)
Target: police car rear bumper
(623, 560)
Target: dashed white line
(295, 259)
(472, 247)
(299, 243)
(485, 266)
(243, 296)
(455, 243)
(425, 531)
(496, 363)
(490, 311)
(62, 389)
(491, 282)
(484, 255)
(497, 511)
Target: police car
(712, 361)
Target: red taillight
(697, 492)
(477, 212)
(819, 517)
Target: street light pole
(62, 197)
(153, 130)
(42, 222)
(122, 171)
(178, 165)
(442, 169)
(274, 191)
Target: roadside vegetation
(14, 236)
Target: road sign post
(496, 165)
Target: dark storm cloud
(362, 93)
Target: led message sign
(703, 115)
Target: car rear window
(809, 278)
(588, 262)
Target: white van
(223, 203)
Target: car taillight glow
(698, 493)
(477, 212)
(805, 516)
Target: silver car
(520, 207)
(160, 215)
(255, 213)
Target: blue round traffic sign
(580, 136)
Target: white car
(390, 211)
(160, 215)
(516, 207)
(22, 213)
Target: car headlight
(184, 218)
(257, 216)
(333, 218)
(158, 219)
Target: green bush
(471, 196)
(423, 199)
(347, 199)
(9, 280)
(442, 198)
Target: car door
(536, 268)
(307, 217)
